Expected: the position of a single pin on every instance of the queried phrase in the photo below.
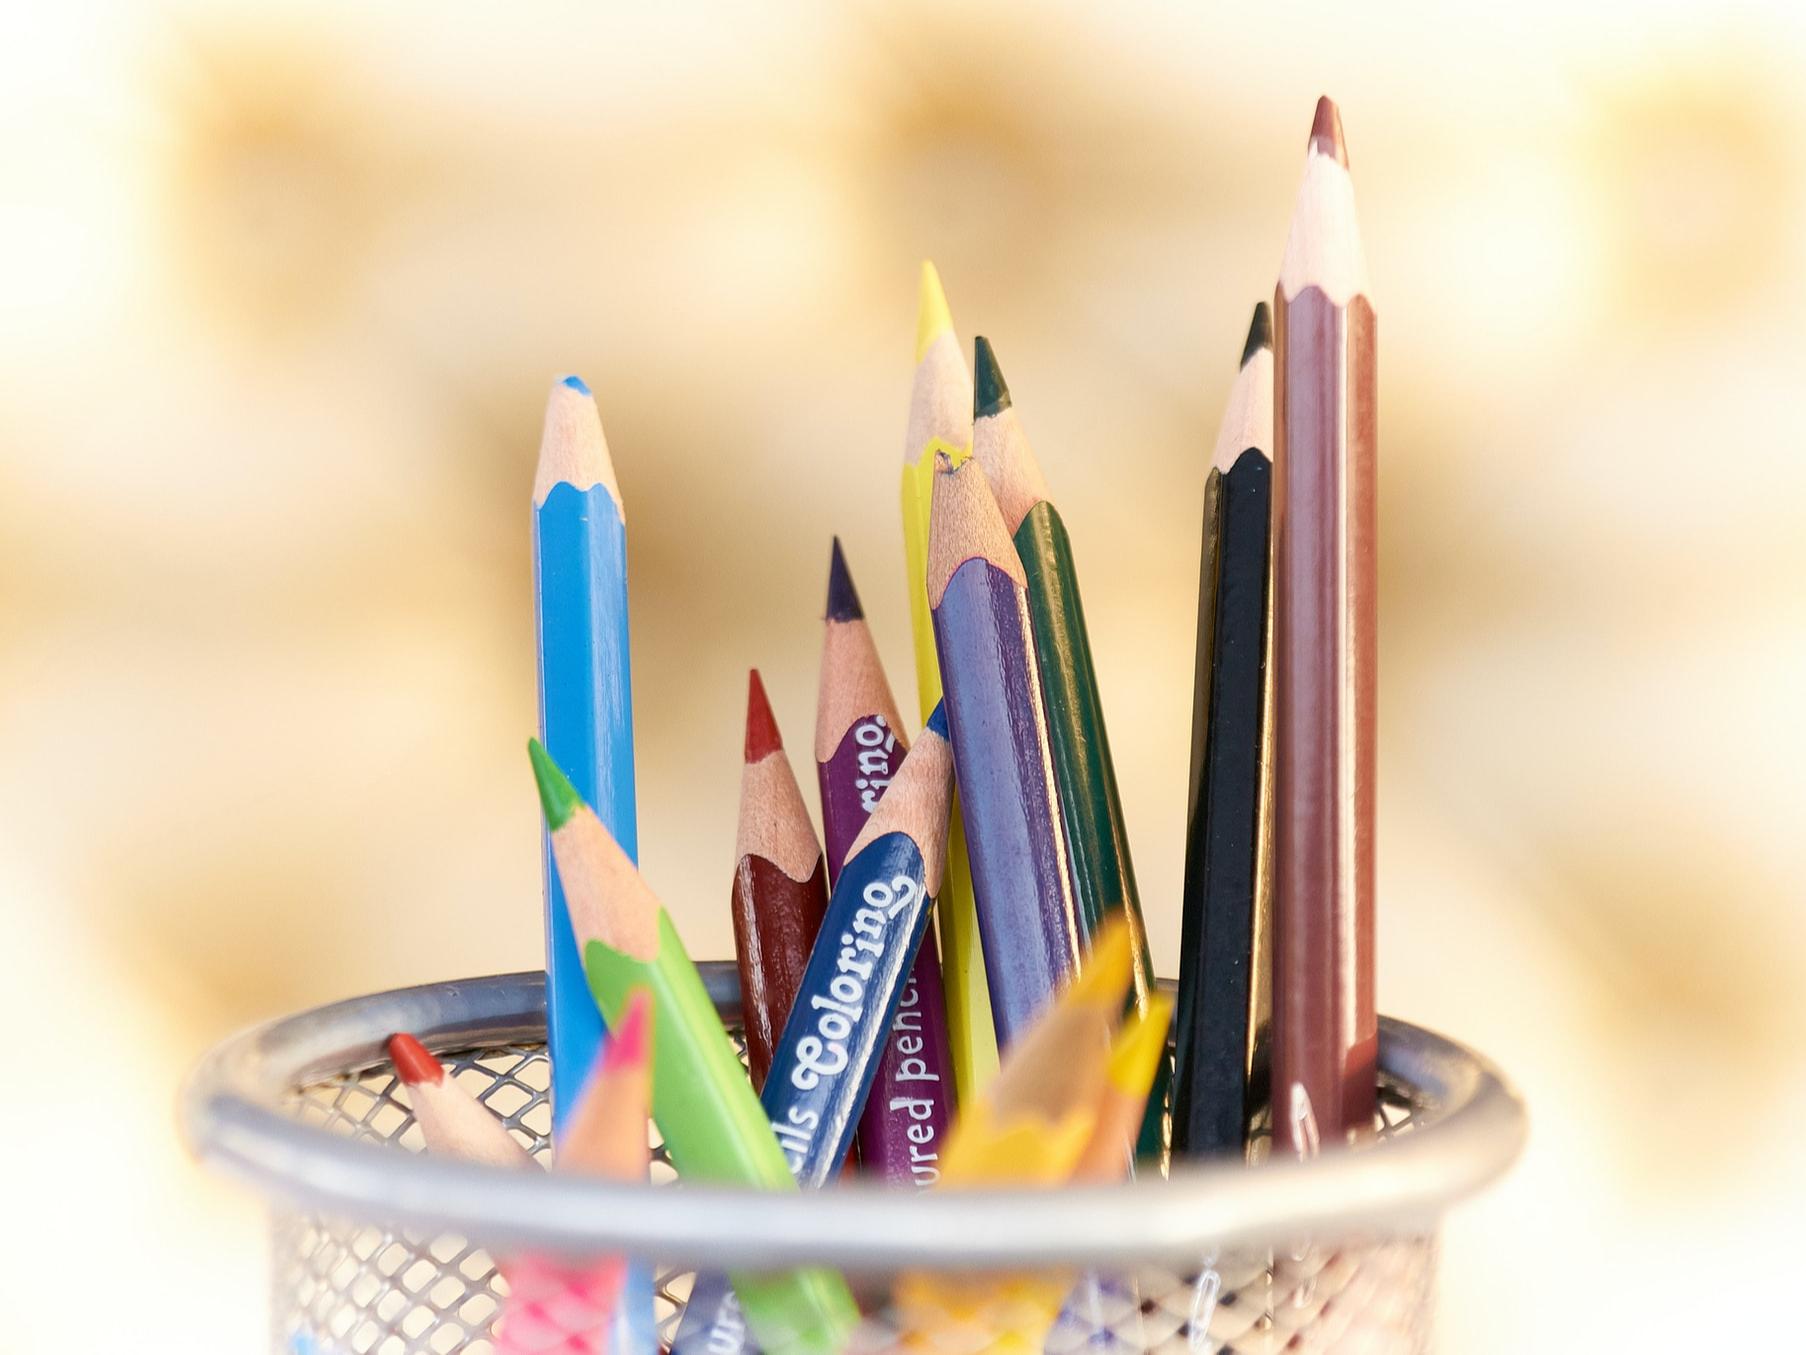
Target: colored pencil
(452, 1121)
(825, 1063)
(780, 884)
(1325, 584)
(713, 1126)
(1097, 842)
(603, 1306)
(978, 595)
(940, 422)
(1031, 1125)
(585, 687)
(859, 746)
(1225, 958)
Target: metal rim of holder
(1473, 1126)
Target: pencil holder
(379, 1248)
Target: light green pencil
(713, 1125)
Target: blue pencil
(586, 723)
(585, 689)
(825, 1061)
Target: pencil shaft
(971, 1030)
(1223, 993)
(775, 920)
(1027, 917)
(910, 1105)
(715, 1130)
(1097, 843)
(1325, 585)
(586, 722)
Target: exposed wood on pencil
(1248, 416)
(606, 1132)
(852, 684)
(608, 899)
(1325, 591)
(572, 450)
(917, 803)
(780, 887)
(1000, 445)
(967, 526)
(451, 1120)
(940, 400)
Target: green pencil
(713, 1125)
(1103, 878)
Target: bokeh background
(284, 287)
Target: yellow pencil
(940, 420)
(1033, 1125)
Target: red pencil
(780, 886)
(451, 1120)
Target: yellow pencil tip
(1139, 1046)
(1104, 977)
(933, 319)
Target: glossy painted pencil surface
(1225, 959)
(977, 593)
(859, 746)
(713, 1125)
(940, 423)
(780, 885)
(585, 688)
(1097, 841)
(826, 1061)
(824, 1066)
(1325, 591)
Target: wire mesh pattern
(343, 1288)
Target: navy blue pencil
(825, 1061)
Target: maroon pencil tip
(1326, 131)
(762, 737)
(412, 1062)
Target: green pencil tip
(557, 796)
(989, 393)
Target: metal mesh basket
(389, 1253)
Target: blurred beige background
(284, 288)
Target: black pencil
(1225, 984)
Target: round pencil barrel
(1325, 507)
(585, 688)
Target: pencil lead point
(843, 598)
(990, 394)
(1326, 132)
(558, 798)
(413, 1064)
(577, 384)
(937, 720)
(933, 319)
(1260, 332)
(762, 737)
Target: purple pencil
(859, 745)
(1027, 917)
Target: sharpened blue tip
(576, 383)
(937, 719)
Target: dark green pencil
(1103, 877)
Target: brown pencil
(780, 884)
(1325, 509)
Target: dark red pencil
(1325, 1034)
(780, 884)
